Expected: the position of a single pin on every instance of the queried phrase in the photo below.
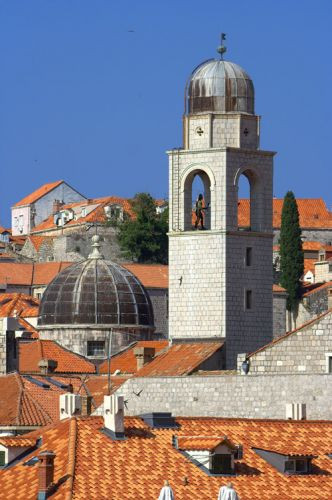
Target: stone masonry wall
(279, 314)
(302, 351)
(235, 396)
(159, 300)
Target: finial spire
(95, 254)
(222, 49)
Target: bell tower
(220, 278)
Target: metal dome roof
(96, 292)
(220, 86)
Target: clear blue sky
(85, 99)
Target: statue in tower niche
(199, 209)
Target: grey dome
(220, 86)
(96, 292)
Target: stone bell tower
(221, 278)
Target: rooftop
(313, 213)
(88, 464)
(18, 304)
(41, 191)
(30, 353)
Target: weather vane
(222, 49)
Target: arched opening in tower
(197, 201)
(243, 218)
(250, 198)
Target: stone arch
(256, 196)
(206, 175)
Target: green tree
(143, 238)
(291, 253)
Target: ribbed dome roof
(96, 292)
(220, 86)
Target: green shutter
(2, 458)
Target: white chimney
(114, 416)
(70, 404)
(296, 411)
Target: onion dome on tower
(219, 86)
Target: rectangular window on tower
(248, 256)
(248, 299)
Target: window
(248, 299)
(248, 256)
(296, 466)
(330, 268)
(2, 458)
(83, 212)
(222, 464)
(96, 348)
(322, 257)
(328, 362)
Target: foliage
(291, 253)
(144, 238)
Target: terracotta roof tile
(312, 211)
(180, 359)
(17, 441)
(96, 215)
(89, 464)
(30, 353)
(41, 191)
(37, 241)
(97, 386)
(315, 287)
(151, 275)
(278, 289)
(18, 304)
(23, 403)
(126, 362)
(29, 328)
(38, 273)
(309, 265)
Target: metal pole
(109, 360)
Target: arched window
(250, 211)
(197, 183)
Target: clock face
(199, 131)
(246, 131)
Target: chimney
(70, 404)
(114, 416)
(47, 366)
(86, 405)
(143, 355)
(45, 474)
(57, 205)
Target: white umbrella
(166, 492)
(227, 493)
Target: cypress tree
(291, 253)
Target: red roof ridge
(287, 334)
(71, 456)
(320, 287)
(38, 193)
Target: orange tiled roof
(126, 362)
(309, 265)
(29, 328)
(30, 353)
(17, 441)
(37, 241)
(306, 246)
(96, 215)
(180, 359)
(18, 304)
(23, 403)
(278, 288)
(312, 211)
(88, 464)
(41, 191)
(315, 287)
(97, 386)
(151, 275)
(38, 273)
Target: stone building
(93, 301)
(221, 277)
(37, 206)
